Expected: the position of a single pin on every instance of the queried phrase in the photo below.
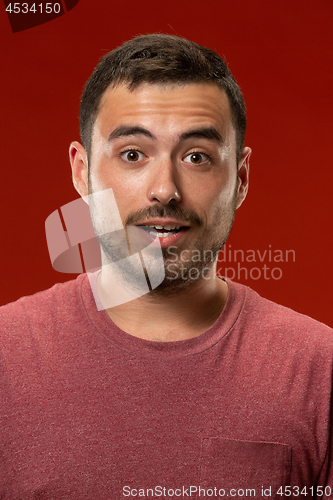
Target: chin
(180, 277)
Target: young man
(199, 387)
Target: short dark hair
(160, 59)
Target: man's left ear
(243, 175)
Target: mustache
(179, 213)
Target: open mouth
(162, 231)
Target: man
(199, 387)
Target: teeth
(156, 230)
(160, 235)
(168, 228)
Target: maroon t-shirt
(90, 412)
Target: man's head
(160, 59)
(171, 149)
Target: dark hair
(160, 59)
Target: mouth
(159, 231)
(165, 234)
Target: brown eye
(196, 158)
(132, 156)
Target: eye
(196, 158)
(132, 156)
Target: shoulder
(280, 324)
(42, 308)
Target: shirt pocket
(236, 467)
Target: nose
(164, 185)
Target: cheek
(204, 187)
(127, 189)
(222, 205)
(221, 192)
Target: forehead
(165, 108)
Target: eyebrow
(127, 130)
(210, 133)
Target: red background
(280, 53)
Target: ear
(79, 163)
(243, 175)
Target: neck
(170, 317)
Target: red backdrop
(281, 54)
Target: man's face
(169, 155)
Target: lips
(164, 235)
(159, 231)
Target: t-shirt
(91, 412)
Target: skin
(160, 171)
